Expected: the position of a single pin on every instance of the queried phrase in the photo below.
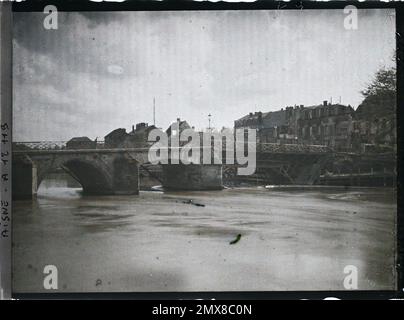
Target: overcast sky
(100, 71)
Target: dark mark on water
(236, 240)
(194, 203)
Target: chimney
(133, 128)
(178, 119)
(325, 103)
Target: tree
(380, 94)
(378, 109)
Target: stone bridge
(103, 171)
(116, 171)
(99, 171)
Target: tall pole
(209, 115)
(154, 111)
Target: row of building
(335, 125)
(138, 137)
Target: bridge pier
(126, 176)
(24, 180)
(192, 177)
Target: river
(291, 239)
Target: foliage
(380, 94)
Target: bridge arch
(90, 172)
(97, 173)
(93, 178)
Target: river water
(291, 239)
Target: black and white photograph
(204, 150)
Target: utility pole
(209, 116)
(154, 111)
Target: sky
(101, 70)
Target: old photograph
(204, 151)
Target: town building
(374, 129)
(81, 143)
(177, 127)
(137, 138)
(115, 138)
(324, 124)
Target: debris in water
(194, 203)
(236, 240)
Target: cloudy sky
(100, 71)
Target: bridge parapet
(291, 148)
(48, 145)
(39, 145)
(99, 146)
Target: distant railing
(39, 145)
(292, 148)
(260, 147)
(50, 145)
